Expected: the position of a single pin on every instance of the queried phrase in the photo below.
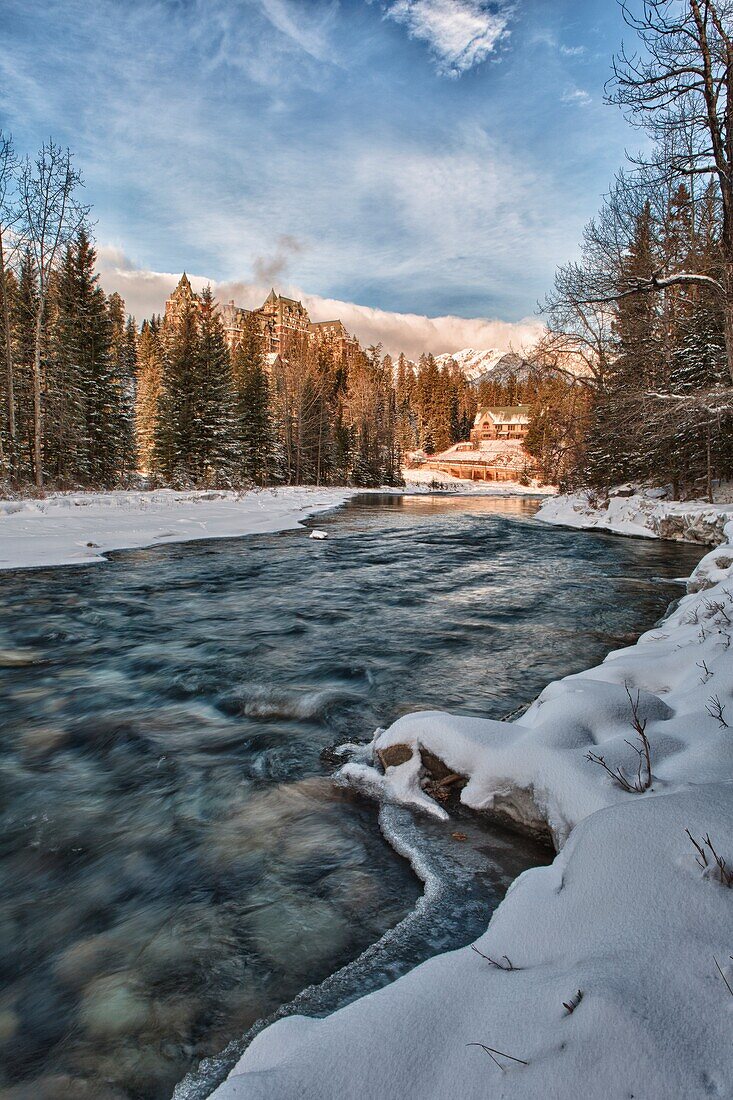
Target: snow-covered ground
(607, 975)
(647, 514)
(422, 480)
(80, 528)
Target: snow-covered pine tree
(66, 445)
(177, 426)
(124, 366)
(148, 393)
(253, 414)
(214, 451)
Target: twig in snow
(643, 780)
(572, 1003)
(725, 876)
(693, 618)
(494, 962)
(491, 1052)
(720, 971)
(715, 709)
(706, 670)
(715, 607)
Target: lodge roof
(504, 414)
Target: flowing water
(175, 860)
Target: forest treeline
(90, 399)
(646, 314)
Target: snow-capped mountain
(476, 365)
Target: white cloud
(572, 51)
(145, 293)
(460, 33)
(576, 95)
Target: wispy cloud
(145, 293)
(460, 33)
(578, 96)
(208, 131)
(572, 51)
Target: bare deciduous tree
(679, 88)
(51, 216)
(8, 215)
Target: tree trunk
(728, 315)
(37, 400)
(9, 379)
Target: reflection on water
(174, 860)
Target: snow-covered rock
(605, 975)
(646, 514)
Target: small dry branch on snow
(716, 608)
(643, 779)
(494, 1055)
(711, 861)
(715, 709)
(506, 965)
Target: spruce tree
(253, 415)
(123, 378)
(148, 394)
(214, 449)
(177, 428)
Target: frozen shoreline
(625, 914)
(81, 528)
(641, 514)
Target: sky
(416, 167)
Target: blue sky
(433, 158)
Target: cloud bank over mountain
(145, 293)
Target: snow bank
(605, 980)
(80, 528)
(426, 481)
(646, 514)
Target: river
(175, 859)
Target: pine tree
(123, 377)
(213, 456)
(253, 415)
(66, 449)
(148, 394)
(177, 428)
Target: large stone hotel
(280, 320)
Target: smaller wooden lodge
(494, 451)
(501, 422)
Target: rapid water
(175, 861)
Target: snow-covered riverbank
(81, 528)
(644, 514)
(608, 974)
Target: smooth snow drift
(80, 528)
(612, 968)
